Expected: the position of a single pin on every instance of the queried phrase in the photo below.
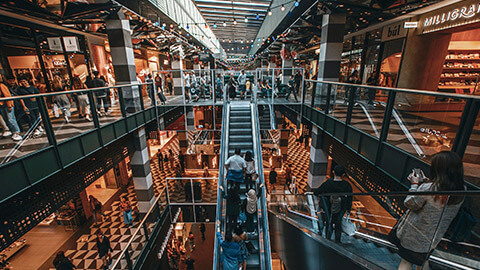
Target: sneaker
(67, 119)
(88, 118)
(7, 133)
(37, 132)
(108, 113)
(40, 128)
(16, 137)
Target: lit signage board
(393, 31)
(408, 25)
(452, 16)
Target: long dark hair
(446, 172)
(248, 156)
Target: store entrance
(104, 188)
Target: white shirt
(250, 167)
(242, 79)
(187, 80)
(236, 163)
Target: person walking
(233, 208)
(61, 101)
(127, 211)
(189, 263)
(272, 178)
(96, 207)
(101, 96)
(249, 170)
(169, 82)
(171, 158)
(335, 206)
(7, 112)
(160, 159)
(288, 176)
(31, 103)
(242, 81)
(191, 241)
(63, 263)
(150, 89)
(158, 82)
(427, 219)
(181, 159)
(291, 89)
(231, 257)
(82, 98)
(104, 249)
(251, 209)
(240, 237)
(235, 165)
(202, 230)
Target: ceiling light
(297, 3)
(258, 17)
(234, 21)
(214, 25)
(224, 24)
(246, 19)
(282, 8)
(206, 25)
(269, 12)
(171, 25)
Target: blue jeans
(127, 217)
(9, 118)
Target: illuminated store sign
(394, 31)
(452, 18)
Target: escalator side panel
(300, 250)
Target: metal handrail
(81, 91)
(140, 226)
(393, 193)
(403, 90)
(380, 241)
(267, 260)
(221, 172)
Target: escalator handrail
(263, 196)
(221, 172)
(368, 237)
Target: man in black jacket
(335, 206)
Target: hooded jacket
(251, 202)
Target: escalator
(242, 132)
(294, 221)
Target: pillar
(142, 176)
(317, 169)
(182, 141)
(286, 68)
(177, 67)
(123, 60)
(190, 117)
(331, 46)
(284, 143)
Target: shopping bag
(348, 227)
(56, 110)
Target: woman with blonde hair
(61, 101)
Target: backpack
(335, 204)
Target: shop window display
(392, 56)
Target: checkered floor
(85, 255)
(298, 158)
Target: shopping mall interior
(243, 134)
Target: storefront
(445, 47)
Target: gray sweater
(417, 228)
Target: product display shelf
(466, 65)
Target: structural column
(287, 65)
(182, 141)
(317, 169)
(177, 66)
(142, 176)
(123, 60)
(284, 143)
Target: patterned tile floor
(85, 255)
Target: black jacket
(332, 186)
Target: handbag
(348, 227)
(392, 235)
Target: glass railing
(38, 120)
(417, 122)
(452, 235)
(134, 253)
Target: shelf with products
(461, 71)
